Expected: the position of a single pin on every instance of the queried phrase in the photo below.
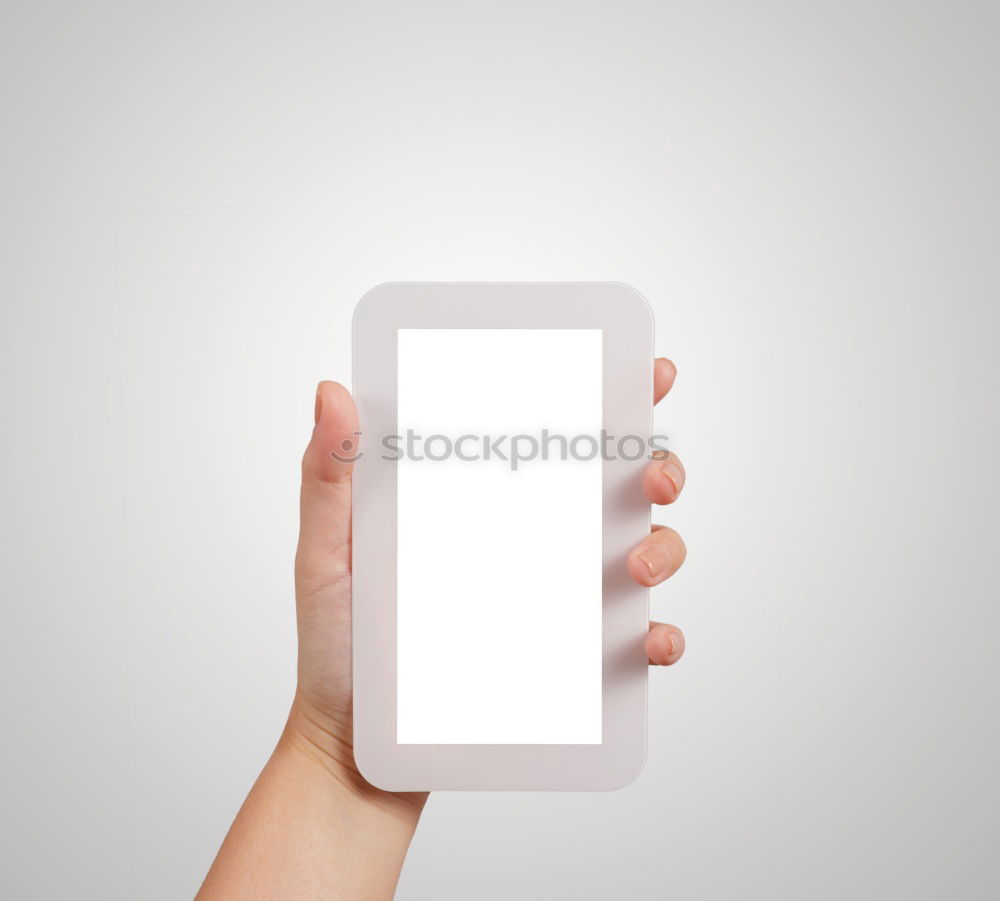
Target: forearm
(311, 827)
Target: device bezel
(627, 325)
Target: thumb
(323, 559)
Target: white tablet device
(498, 638)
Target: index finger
(664, 373)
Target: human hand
(312, 826)
(322, 710)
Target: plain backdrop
(193, 196)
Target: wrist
(324, 740)
(312, 825)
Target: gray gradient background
(193, 198)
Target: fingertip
(659, 645)
(657, 557)
(332, 399)
(664, 644)
(333, 447)
(664, 478)
(664, 374)
(638, 569)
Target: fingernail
(672, 470)
(319, 406)
(657, 560)
(671, 645)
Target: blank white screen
(499, 571)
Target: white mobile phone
(498, 639)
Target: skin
(312, 827)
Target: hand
(323, 575)
(312, 826)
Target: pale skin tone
(312, 827)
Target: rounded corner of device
(372, 773)
(637, 298)
(624, 775)
(368, 299)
